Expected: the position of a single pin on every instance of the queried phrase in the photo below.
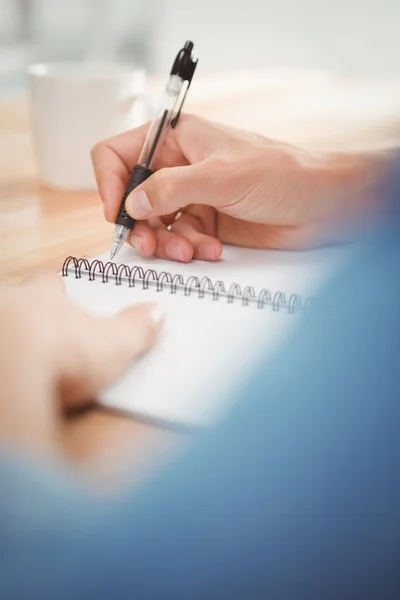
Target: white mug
(74, 106)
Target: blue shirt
(295, 495)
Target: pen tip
(120, 235)
(115, 248)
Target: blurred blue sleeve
(296, 495)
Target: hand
(53, 355)
(237, 188)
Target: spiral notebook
(222, 319)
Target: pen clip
(184, 66)
(174, 121)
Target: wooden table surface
(40, 227)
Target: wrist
(28, 414)
(351, 185)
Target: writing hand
(236, 188)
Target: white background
(361, 36)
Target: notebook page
(207, 348)
(205, 351)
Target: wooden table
(40, 227)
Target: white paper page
(207, 348)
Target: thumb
(107, 348)
(170, 189)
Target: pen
(174, 96)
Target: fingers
(205, 247)
(163, 243)
(133, 332)
(168, 190)
(206, 216)
(153, 238)
(143, 239)
(173, 247)
(112, 161)
(106, 349)
(186, 238)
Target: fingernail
(136, 241)
(156, 314)
(174, 251)
(138, 205)
(206, 251)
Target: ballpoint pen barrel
(162, 121)
(152, 144)
(138, 175)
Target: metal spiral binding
(138, 276)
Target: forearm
(27, 407)
(28, 410)
(369, 181)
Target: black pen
(174, 96)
